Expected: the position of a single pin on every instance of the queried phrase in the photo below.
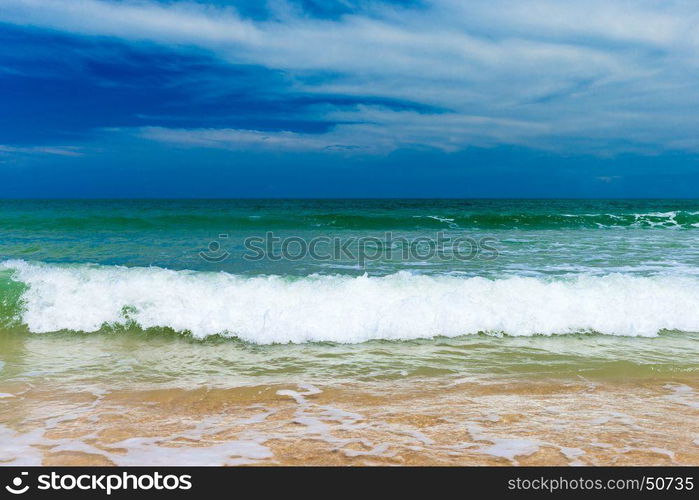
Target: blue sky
(349, 98)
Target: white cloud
(370, 130)
(542, 73)
(42, 150)
(180, 23)
(235, 139)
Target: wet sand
(439, 421)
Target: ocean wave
(275, 309)
(368, 221)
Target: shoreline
(419, 422)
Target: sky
(349, 98)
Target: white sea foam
(667, 219)
(19, 449)
(351, 309)
(683, 394)
(509, 448)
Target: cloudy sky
(335, 98)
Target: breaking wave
(346, 309)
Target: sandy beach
(460, 422)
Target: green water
(548, 236)
(134, 359)
(119, 290)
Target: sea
(349, 331)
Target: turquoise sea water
(570, 286)
(532, 236)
